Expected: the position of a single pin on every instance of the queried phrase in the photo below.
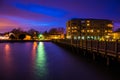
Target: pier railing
(108, 48)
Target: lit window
(88, 37)
(82, 30)
(74, 30)
(75, 37)
(75, 27)
(72, 27)
(78, 37)
(83, 37)
(110, 25)
(68, 31)
(105, 30)
(88, 30)
(92, 37)
(95, 37)
(68, 27)
(98, 30)
(68, 37)
(88, 24)
(109, 30)
(98, 37)
(91, 30)
(88, 21)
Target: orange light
(110, 25)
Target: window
(88, 21)
(68, 27)
(88, 30)
(82, 30)
(78, 37)
(75, 27)
(83, 37)
(75, 37)
(98, 31)
(88, 24)
(91, 30)
(82, 21)
(109, 30)
(74, 30)
(105, 30)
(72, 27)
(110, 25)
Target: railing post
(105, 49)
(116, 49)
(71, 42)
(86, 44)
(82, 44)
(91, 45)
(97, 46)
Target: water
(44, 61)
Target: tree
(34, 33)
(59, 30)
(53, 31)
(45, 34)
(22, 36)
(12, 37)
(17, 32)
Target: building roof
(88, 19)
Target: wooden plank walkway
(107, 48)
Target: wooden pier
(108, 49)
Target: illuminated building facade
(88, 28)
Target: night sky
(44, 14)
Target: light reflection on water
(34, 48)
(7, 54)
(43, 61)
(40, 64)
(7, 57)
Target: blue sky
(45, 14)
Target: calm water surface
(43, 61)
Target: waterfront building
(78, 28)
(56, 36)
(114, 36)
(27, 37)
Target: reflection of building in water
(7, 58)
(7, 53)
(35, 45)
(7, 49)
(34, 50)
(88, 28)
(41, 61)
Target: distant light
(75, 37)
(78, 37)
(88, 21)
(68, 37)
(40, 36)
(83, 37)
(4, 37)
(110, 25)
(88, 24)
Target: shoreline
(3, 41)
